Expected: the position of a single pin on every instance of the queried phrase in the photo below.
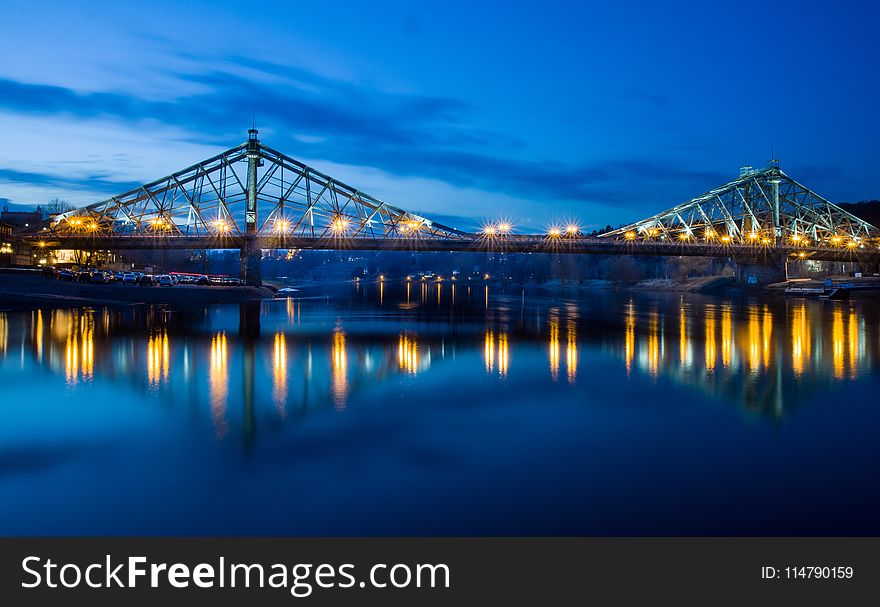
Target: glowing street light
(490, 230)
(411, 226)
(725, 238)
(282, 225)
(222, 226)
(339, 225)
(572, 229)
(630, 235)
(504, 227)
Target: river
(443, 409)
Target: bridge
(253, 198)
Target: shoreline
(27, 291)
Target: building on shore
(21, 219)
(6, 248)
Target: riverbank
(27, 290)
(714, 285)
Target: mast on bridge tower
(254, 161)
(251, 254)
(774, 184)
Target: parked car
(129, 278)
(66, 274)
(49, 272)
(147, 280)
(118, 276)
(202, 281)
(85, 275)
(99, 277)
(165, 280)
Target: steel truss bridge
(253, 197)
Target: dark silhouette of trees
(56, 206)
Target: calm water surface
(443, 409)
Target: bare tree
(56, 206)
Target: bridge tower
(775, 180)
(250, 253)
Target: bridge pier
(249, 320)
(761, 269)
(249, 266)
(249, 330)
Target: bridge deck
(508, 244)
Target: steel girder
(763, 206)
(208, 199)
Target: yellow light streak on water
(408, 354)
(838, 343)
(726, 337)
(571, 352)
(279, 372)
(629, 342)
(339, 380)
(554, 346)
(218, 384)
(800, 338)
(489, 351)
(503, 355)
(710, 348)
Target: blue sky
(536, 111)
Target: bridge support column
(249, 266)
(249, 330)
(761, 269)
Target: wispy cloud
(87, 182)
(343, 122)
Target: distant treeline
(869, 210)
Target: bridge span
(254, 198)
(582, 245)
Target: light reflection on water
(757, 339)
(359, 349)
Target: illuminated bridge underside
(760, 207)
(475, 244)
